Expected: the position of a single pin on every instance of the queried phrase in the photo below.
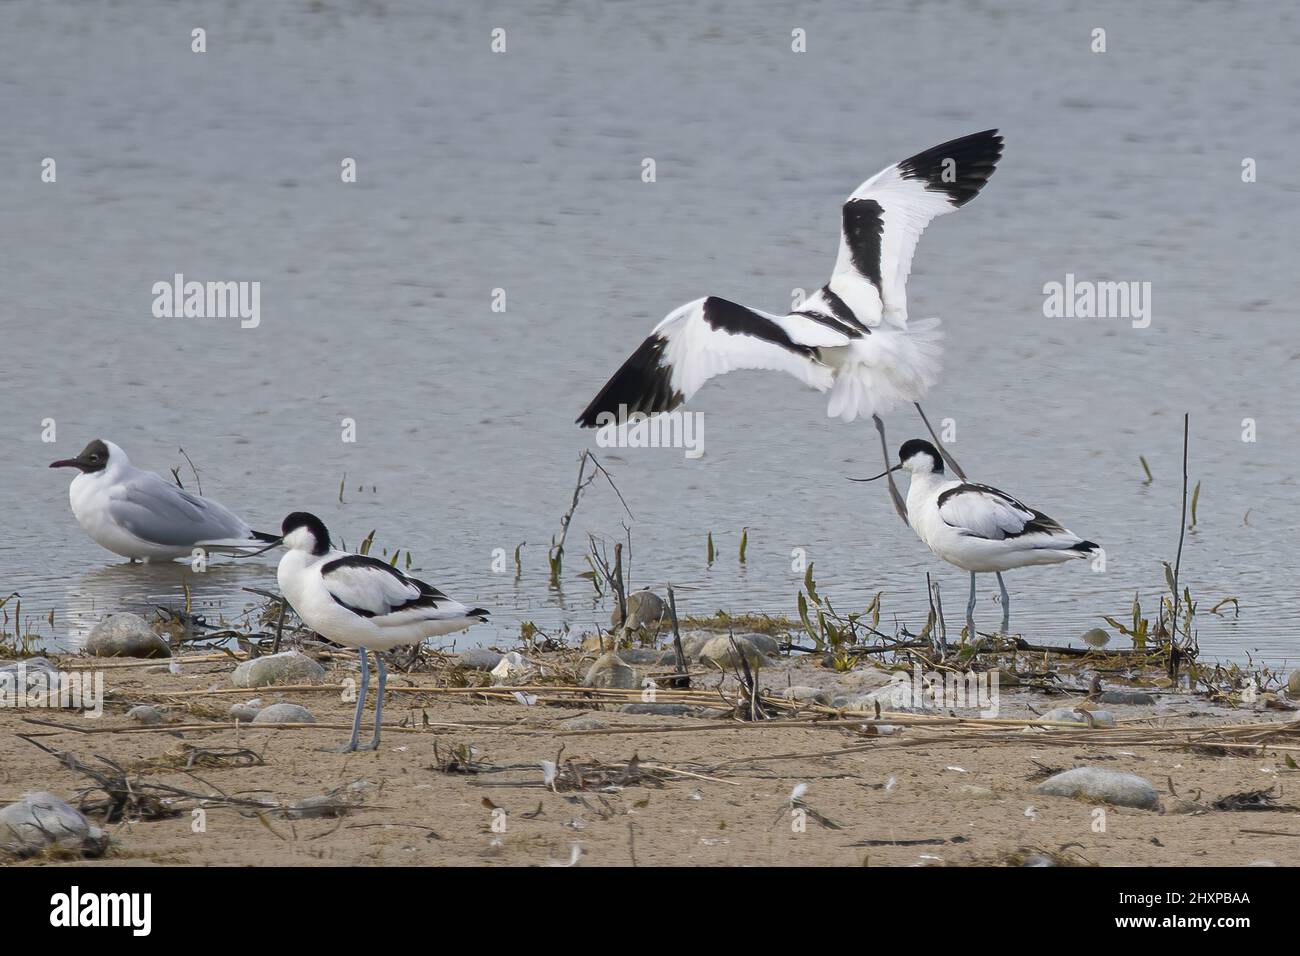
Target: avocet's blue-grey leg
(379, 700)
(952, 462)
(351, 745)
(1006, 605)
(971, 637)
(899, 504)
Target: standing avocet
(852, 337)
(978, 528)
(361, 602)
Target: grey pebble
(284, 714)
(40, 819)
(608, 671)
(479, 659)
(245, 712)
(1136, 697)
(125, 635)
(1105, 786)
(288, 667)
(146, 715)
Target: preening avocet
(361, 602)
(141, 516)
(852, 337)
(978, 528)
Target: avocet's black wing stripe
(986, 512)
(710, 337)
(885, 216)
(372, 588)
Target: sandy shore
(458, 780)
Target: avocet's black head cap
(303, 521)
(919, 446)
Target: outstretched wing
(985, 512)
(705, 338)
(883, 219)
(157, 511)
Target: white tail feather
(887, 368)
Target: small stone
(644, 609)
(693, 642)
(714, 713)
(584, 722)
(767, 644)
(40, 820)
(1293, 683)
(1104, 786)
(289, 667)
(609, 671)
(720, 652)
(1100, 718)
(146, 715)
(1097, 637)
(284, 714)
(125, 635)
(245, 712)
(661, 710)
(1134, 697)
(479, 659)
(971, 790)
(803, 693)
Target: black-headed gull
(142, 516)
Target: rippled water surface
(522, 172)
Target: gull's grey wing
(157, 511)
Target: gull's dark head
(301, 531)
(94, 457)
(920, 457)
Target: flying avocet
(851, 338)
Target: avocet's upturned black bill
(361, 602)
(142, 516)
(977, 527)
(852, 337)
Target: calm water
(521, 171)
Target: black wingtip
(479, 613)
(642, 384)
(1086, 547)
(973, 159)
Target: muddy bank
(547, 771)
